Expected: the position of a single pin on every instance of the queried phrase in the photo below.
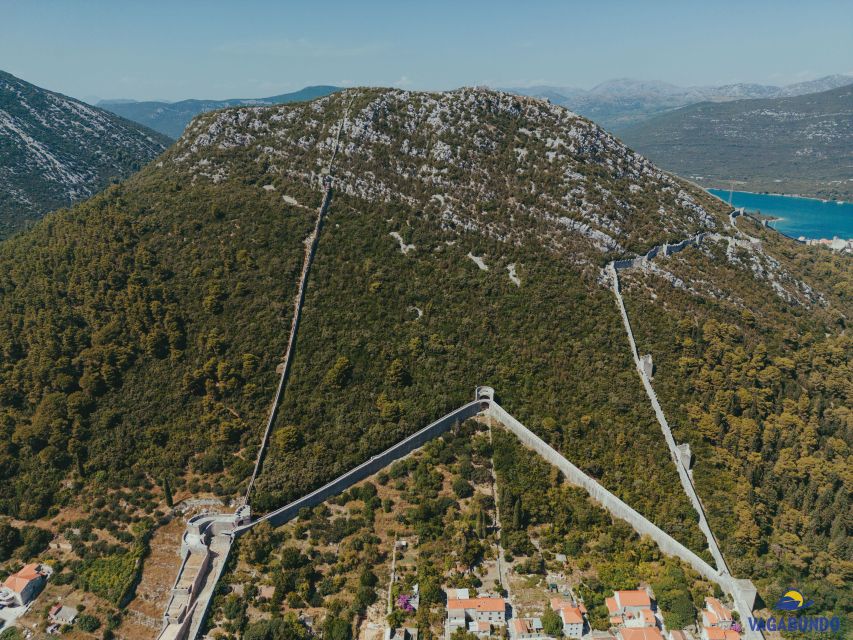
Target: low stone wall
(368, 468)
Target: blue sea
(807, 217)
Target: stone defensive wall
(368, 468)
(602, 496)
(660, 250)
(675, 452)
(310, 250)
(742, 591)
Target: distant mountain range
(798, 144)
(170, 118)
(55, 150)
(617, 104)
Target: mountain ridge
(789, 145)
(170, 118)
(55, 150)
(621, 102)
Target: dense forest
(390, 341)
(140, 332)
(761, 389)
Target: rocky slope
(170, 118)
(507, 167)
(55, 151)
(784, 145)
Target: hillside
(55, 151)
(764, 399)
(171, 118)
(440, 503)
(619, 104)
(141, 329)
(783, 145)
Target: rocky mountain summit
(510, 167)
(55, 150)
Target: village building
(26, 584)
(716, 614)
(403, 633)
(63, 614)
(482, 612)
(523, 628)
(641, 633)
(631, 608)
(718, 622)
(571, 615)
(480, 629)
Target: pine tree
(481, 524)
(518, 515)
(167, 490)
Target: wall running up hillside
(743, 592)
(366, 469)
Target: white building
(571, 615)
(461, 611)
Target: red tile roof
(17, 582)
(571, 615)
(643, 633)
(479, 604)
(715, 633)
(720, 611)
(521, 625)
(29, 572)
(633, 598)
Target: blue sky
(247, 48)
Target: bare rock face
(511, 168)
(55, 151)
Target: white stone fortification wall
(609, 501)
(742, 591)
(310, 250)
(368, 468)
(684, 476)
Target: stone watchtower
(485, 396)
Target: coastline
(770, 221)
(770, 193)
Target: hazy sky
(247, 48)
